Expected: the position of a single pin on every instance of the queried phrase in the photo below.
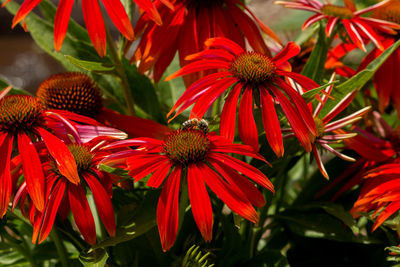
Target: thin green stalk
(62, 252)
(119, 68)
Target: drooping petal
(221, 42)
(244, 168)
(159, 175)
(228, 115)
(59, 151)
(49, 215)
(61, 22)
(95, 25)
(82, 214)
(103, 204)
(199, 66)
(118, 15)
(271, 123)
(6, 143)
(247, 126)
(33, 172)
(241, 184)
(24, 10)
(236, 202)
(168, 210)
(353, 34)
(200, 202)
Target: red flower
(251, 74)
(188, 25)
(385, 78)
(23, 118)
(325, 126)
(200, 158)
(93, 19)
(78, 93)
(63, 196)
(380, 193)
(358, 28)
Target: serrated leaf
(98, 67)
(358, 80)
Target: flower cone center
(82, 156)
(20, 113)
(320, 127)
(187, 146)
(389, 12)
(253, 67)
(337, 11)
(75, 92)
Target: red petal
(200, 202)
(221, 42)
(61, 22)
(33, 172)
(353, 34)
(386, 213)
(244, 168)
(59, 151)
(118, 15)
(103, 204)
(49, 215)
(95, 25)
(247, 126)
(236, 202)
(141, 166)
(271, 123)
(199, 66)
(241, 184)
(6, 143)
(290, 50)
(228, 115)
(24, 10)
(82, 214)
(168, 210)
(159, 175)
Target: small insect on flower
(193, 156)
(197, 124)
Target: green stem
(119, 68)
(183, 201)
(62, 252)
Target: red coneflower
(78, 93)
(380, 193)
(254, 75)
(63, 196)
(188, 25)
(385, 77)
(197, 157)
(23, 118)
(93, 19)
(357, 27)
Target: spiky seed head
(71, 91)
(187, 146)
(253, 67)
(20, 113)
(82, 156)
(337, 11)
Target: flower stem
(62, 252)
(119, 68)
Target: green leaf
(309, 95)
(142, 220)
(98, 67)
(93, 257)
(315, 66)
(358, 80)
(143, 92)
